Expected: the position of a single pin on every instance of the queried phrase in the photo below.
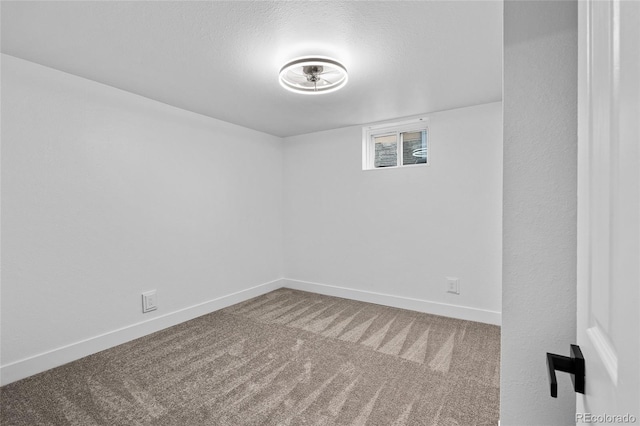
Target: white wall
(106, 194)
(400, 232)
(539, 278)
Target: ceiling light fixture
(313, 75)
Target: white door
(608, 208)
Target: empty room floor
(285, 358)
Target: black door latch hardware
(573, 365)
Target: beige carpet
(285, 358)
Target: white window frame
(376, 130)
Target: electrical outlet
(149, 301)
(453, 285)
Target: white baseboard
(436, 308)
(38, 363)
(44, 361)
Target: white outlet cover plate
(149, 301)
(453, 285)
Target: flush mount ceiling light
(313, 75)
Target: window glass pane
(414, 147)
(386, 151)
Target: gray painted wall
(539, 210)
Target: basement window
(393, 145)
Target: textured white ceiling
(222, 59)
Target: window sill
(408, 166)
